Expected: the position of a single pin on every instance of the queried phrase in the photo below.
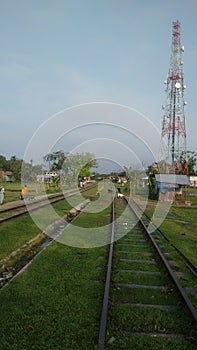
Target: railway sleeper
(139, 286)
(138, 261)
(154, 334)
(153, 306)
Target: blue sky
(56, 54)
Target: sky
(59, 54)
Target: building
(6, 176)
(47, 177)
(193, 181)
(143, 180)
(167, 185)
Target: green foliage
(11, 237)
(13, 164)
(4, 165)
(30, 172)
(56, 304)
(72, 166)
(17, 166)
(55, 160)
(133, 175)
(192, 162)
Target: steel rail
(23, 204)
(103, 321)
(25, 211)
(191, 267)
(189, 264)
(181, 291)
(40, 198)
(53, 199)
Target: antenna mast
(173, 125)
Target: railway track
(142, 305)
(145, 303)
(24, 254)
(15, 210)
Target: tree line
(65, 164)
(68, 165)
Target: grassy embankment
(13, 190)
(56, 303)
(17, 232)
(180, 225)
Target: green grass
(143, 321)
(13, 191)
(145, 296)
(56, 304)
(11, 186)
(148, 342)
(91, 219)
(123, 317)
(18, 231)
(136, 278)
(190, 190)
(180, 226)
(15, 233)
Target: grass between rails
(56, 303)
(180, 228)
(135, 341)
(156, 320)
(127, 313)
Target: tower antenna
(173, 126)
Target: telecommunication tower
(173, 125)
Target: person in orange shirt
(24, 192)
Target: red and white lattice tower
(173, 125)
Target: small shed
(167, 185)
(193, 181)
(144, 179)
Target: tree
(15, 167)
(134, 176)
(70, 166)
(55, 160)
(18, 166)
(192, 162)
(30, 172)
(78, 165)
(49, 158)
